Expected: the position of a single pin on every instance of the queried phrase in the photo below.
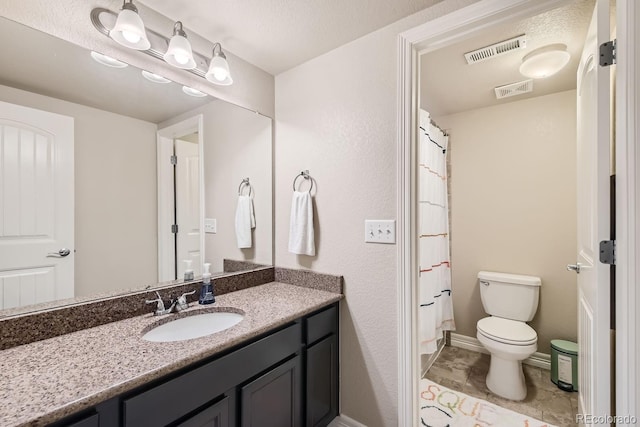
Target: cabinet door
(273, 400)
(322, 382)
(216, 415)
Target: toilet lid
(507, 331)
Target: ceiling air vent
(514, 89)
(497, 49)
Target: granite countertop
(47, 380)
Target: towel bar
(305, 175)
(245, 182)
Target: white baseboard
(344, 421)
(540, 360)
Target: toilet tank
(510, 296)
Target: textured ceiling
(449, 85)
(276, 35)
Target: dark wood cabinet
(219, 414)
(285, 378)
(273, 400)
(322, 387)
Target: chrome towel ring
(245, 183)
(305, 175)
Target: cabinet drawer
(321, 324)
(179, 396)
(216, 415)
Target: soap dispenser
(206, 292)
(188, 271)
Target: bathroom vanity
(278, 367)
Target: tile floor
(465, 371)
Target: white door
(594, 371)
(188, 205)
(36, 206)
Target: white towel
(245, 221)
(301, 240)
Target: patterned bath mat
(442, 407)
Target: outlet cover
(380, 231)
(210, 226)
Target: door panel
(593, 220)
(36, 206)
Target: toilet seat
(507, 331)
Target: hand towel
(301, 240)
(245, 221)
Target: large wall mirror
(99, 166)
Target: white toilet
(510, 300)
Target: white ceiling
(449, 85)
(277, 35)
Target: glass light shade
(193, 92)
(129, 31)
(219, 71)
(179, 53)
(154, 77)
(107, 60)
(545, 62)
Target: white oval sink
(196, 326)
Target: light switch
(380, 231)
(210, 226)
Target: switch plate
(210, 226)
(380, 231)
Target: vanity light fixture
(129, 29)
(179, 53)
(193, 92)
(154, 77)
(545, 61)
(107, 60)
(219, 68)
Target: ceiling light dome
(179, 53)
(219, 68)
(129, 29)
(545, 61)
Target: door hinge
(608, 53)
(608, 252)
(174, 228)
(174, 160)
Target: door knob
(575, 267)
(60, 254)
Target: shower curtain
(435, 313)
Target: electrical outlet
(380, 231)
(210, 226)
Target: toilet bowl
(511, 300)
(509, 342)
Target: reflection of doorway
(180, 198)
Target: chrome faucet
(181, 303)
(177, 305)
(160, 310)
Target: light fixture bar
(201, 60)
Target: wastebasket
(564, 364)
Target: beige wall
(513, 206)
(237, 145)
(336, 116)
(69, 20)
(115, 195)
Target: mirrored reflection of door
(36, 206)
(180, 198)
(187, 195)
